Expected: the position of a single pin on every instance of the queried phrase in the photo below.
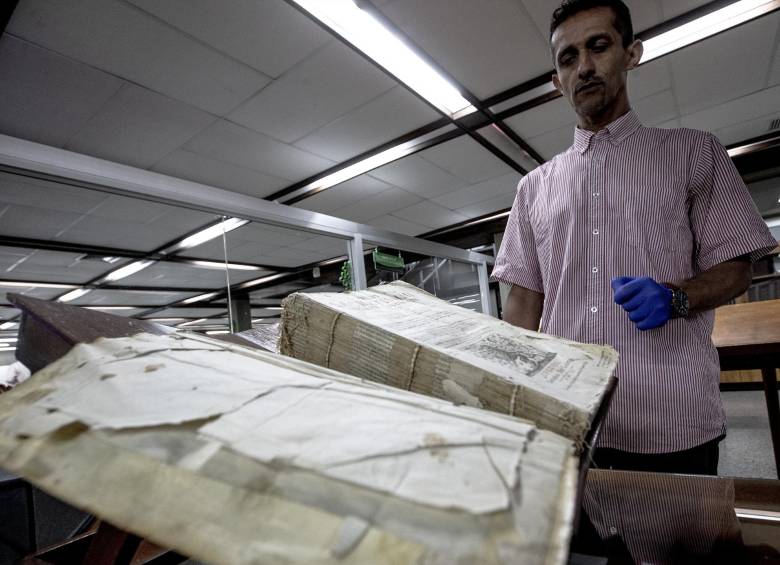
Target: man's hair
(622, 20)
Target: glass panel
(454, 281)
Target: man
(631, 237)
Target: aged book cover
(234, 455)
(399, 335)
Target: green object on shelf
(387, 262)
(346, 275)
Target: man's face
(591, 62)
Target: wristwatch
(680, 305)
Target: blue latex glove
(649, 304)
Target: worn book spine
(315, 333)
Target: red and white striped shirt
(635, 201)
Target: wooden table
(748, 337)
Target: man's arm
(523, 308)
(716, 286)
(649, 303)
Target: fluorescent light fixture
(8, 339)
(368, 35)
(110, 307)
(73, 294)
(262, 280)
(217, 332)
(730, 16)
(271, 307)
(193, 322)
(748, 148)
(210, 233)
(773, 222)
(218, 265)
(7, 325)
(7, 349)
(36, 284)
(199, 298)
(127, 270)
(332, 261)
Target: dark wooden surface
(50, 329)
(748, 337)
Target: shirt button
(595, 194)
(612, 530)
(595, 232)
(595, 269)
(594, 309)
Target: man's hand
(649, 304)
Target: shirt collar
(616, 131)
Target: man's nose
(586, 68)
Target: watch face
(680, 302)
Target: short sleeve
(517, 262)
(724, 219)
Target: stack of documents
(401, 336)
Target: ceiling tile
(151, 126)
(418, 176)
(198, 168)
(470, 195)
(542, 119)
(429, 214)
(749, 129)
(194, 313)
(673, 8)
(120, 39)
(384, 203)
(675, 123)
(34, 222)
(503, 46)
(386, 117)
(650, 78)
(344, 194)
(488, 206)
(735, 112)
(117, 233)
(28, 191)
(323, 243)
(397, 225)
(7, 313)
(48, 266)
(127, 209)
(179, 275)
(774, 70)
(551, 143)
(110, 297)
(326, 86)
(46, 97)
(746, 51)
(269, 35)
(240, 146)
(35, 292)
(657, 108)
(466, 159)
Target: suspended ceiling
(254, 97)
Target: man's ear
(557, 83)
(635, 51)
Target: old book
(232, 455)
(401, 336)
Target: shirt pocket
(660, 238)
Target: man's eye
(599, 47)
(565, 61)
